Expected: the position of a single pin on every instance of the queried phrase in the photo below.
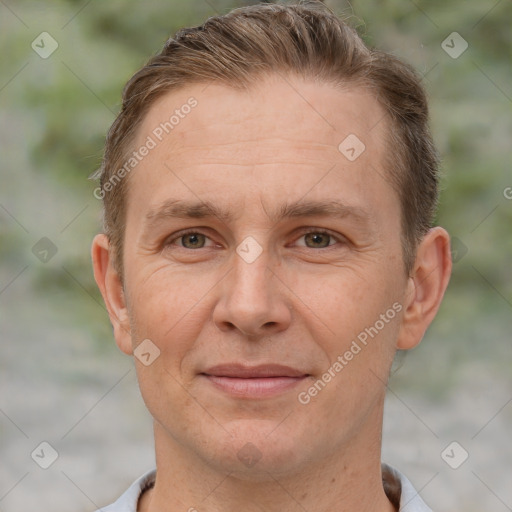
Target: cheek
(364, 322)
(360, 315)
(165, 308)
(346, 300)
(162, 390)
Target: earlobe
(426, 287)
(111, 289)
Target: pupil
(191, 239)
(317, 238)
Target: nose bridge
(251, 298)
(251, 271)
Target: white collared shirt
(410, 500)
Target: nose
(254, 299)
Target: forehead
(284, 133)
(276, 109)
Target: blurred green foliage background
(55, 113)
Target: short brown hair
(305, 39)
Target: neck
(348, 479)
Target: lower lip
(254, 388)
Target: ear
(426, 286)
(112, 291)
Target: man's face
(257, 288)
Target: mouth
(254, 382)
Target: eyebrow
(177, 208)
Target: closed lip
(242, 371)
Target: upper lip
(247, 372)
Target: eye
(190, 240)
(314, 239)
(319, 239)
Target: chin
(256, 448)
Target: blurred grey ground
(62, 380)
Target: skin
(299, 303)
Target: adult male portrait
(269, 190)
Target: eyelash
(303, 232)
